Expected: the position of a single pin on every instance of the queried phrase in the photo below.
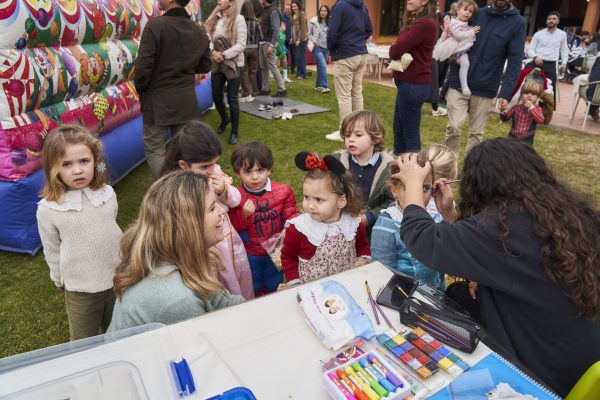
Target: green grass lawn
(32, 312)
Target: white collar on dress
(396, 213)
(73, 199)
(316, 232)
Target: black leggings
(218, 81)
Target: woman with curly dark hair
(532, 245)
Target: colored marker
(341, 387)
(353, 388)
(419, 389)
(387, 385)
(380, 390)
(390, 376)
(364, 385)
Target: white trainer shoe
(335, 136)
(439, 112)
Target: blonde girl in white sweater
(78, 228)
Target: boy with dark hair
(264, 208)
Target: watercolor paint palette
(409, 354)
(445, 359)
(368, 377)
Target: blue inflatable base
(124, 151)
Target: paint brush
(402, 291)
(372, 303)
(387, 321)
(445, 330)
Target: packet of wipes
(333, 314)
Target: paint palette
(409, 354)
(368, 377)
(445, 359)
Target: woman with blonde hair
(227, 31)
(169, 267)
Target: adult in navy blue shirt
(349, 28)
(286, 16)
(501, 41)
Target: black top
(364, 176)
(520, 307)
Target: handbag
(310, 45)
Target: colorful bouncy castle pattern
(65, 61)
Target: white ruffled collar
(73, 199)
(396, 213)
(316, 232)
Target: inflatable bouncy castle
(66, 61)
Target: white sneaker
(439, 112)
(247, 99)
(335, 136)
(325, 90)
(288, 80)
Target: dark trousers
(249, 84)
(233, 86)
(549, 68)
(407, 115)
(300, 59)
(528, 140)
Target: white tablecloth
(268, 346)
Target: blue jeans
(265, 276)
(320, 54)
(407, 115)
(300, 59)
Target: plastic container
(384, 380)
(238, 393)
(120, 365)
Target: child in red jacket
(329, 237)
(262, 213)
(526, 114)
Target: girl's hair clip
(101, 167)
(309, 161)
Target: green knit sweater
(162, 297)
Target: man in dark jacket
(349, 29)
(501, 39)
(172, 50)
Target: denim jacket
(389, 249)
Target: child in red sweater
(329, 237)
(526, 114)
(264, 209)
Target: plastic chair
(583, 95)
(588, 386)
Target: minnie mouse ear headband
(308, 161)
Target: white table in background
(382, 53)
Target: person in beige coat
(226, 22)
